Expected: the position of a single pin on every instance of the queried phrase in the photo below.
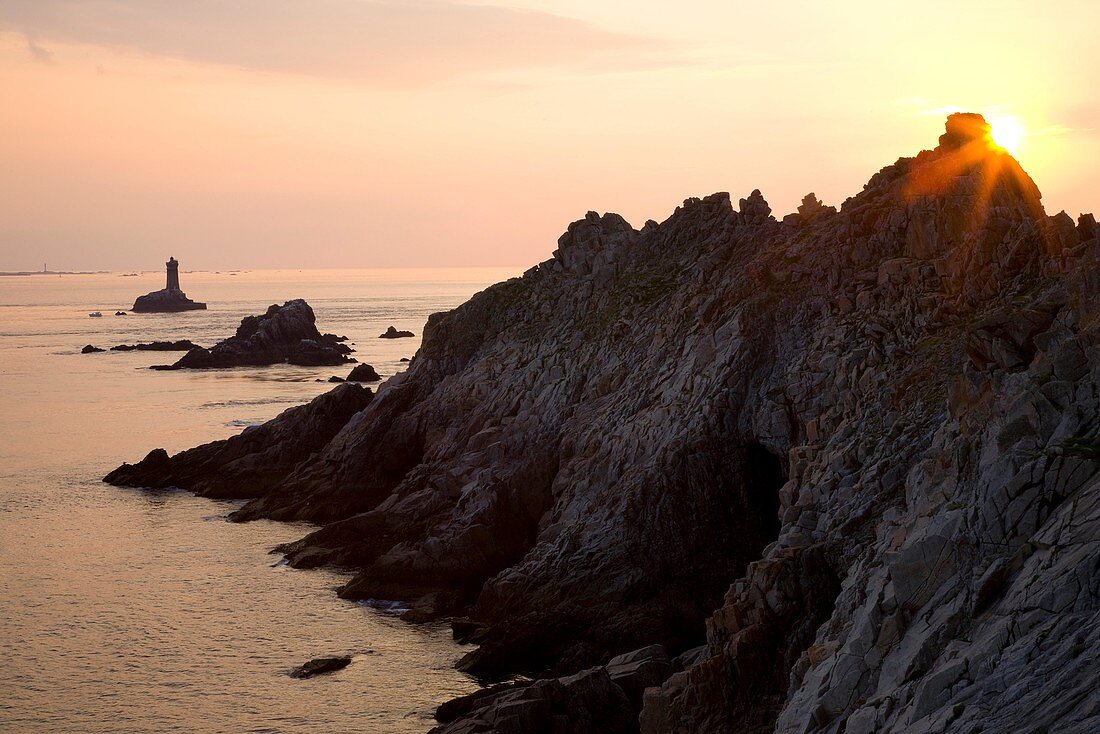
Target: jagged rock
(120, 313)
(754, 209)
(856, 459)
(286, 333)
(89, 349)
(585, 703)
(393, 333)
(250, 463)
(320, 666)
(363, 373)
(181, 345)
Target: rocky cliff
(842, 469)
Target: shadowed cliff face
(854, 452)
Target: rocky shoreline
(839, 472)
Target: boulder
(363, 373)
(393, 333)
(89, 349)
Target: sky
(396, 133)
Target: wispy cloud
(38, 53)
(382, 42)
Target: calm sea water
(128, 611)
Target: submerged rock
(320, 666)
(393, 333)
(286, 333)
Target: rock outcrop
(255, 460)
(393, 333)
(321, 666)
(286, 333)
(91, 349)
(363, 373)
(166, 301)
(180, 345)
(844, 469)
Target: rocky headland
(286, 333)
(835, 473)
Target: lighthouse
(169, 300)
(173, 274)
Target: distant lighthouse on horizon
(169, 300)
(173, 274)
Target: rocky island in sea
(286, 333)
(723, 473)
(171, 298)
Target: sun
(1007, 132)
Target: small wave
(248, 403)
(243, 423)
(389, 606)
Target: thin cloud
(39, 53)
(382, 42)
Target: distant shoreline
(56, 272)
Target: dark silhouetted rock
(120, 313)
(89, 349)
(586, 703)
(855, 459)
(182, 345)
(363, 373)
(250, 463)
(320, 666)
(393, 333)
(286, 333)
(170, 299)
(166, 301)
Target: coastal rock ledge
(838, 473)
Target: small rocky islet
(283, 334)
(170, 299)
(727, 473)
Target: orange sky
(332, 133)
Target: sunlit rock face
(843, 468)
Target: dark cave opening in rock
(765, 475)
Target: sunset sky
(363, 133)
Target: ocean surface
(123, 610)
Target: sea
(125, 610)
